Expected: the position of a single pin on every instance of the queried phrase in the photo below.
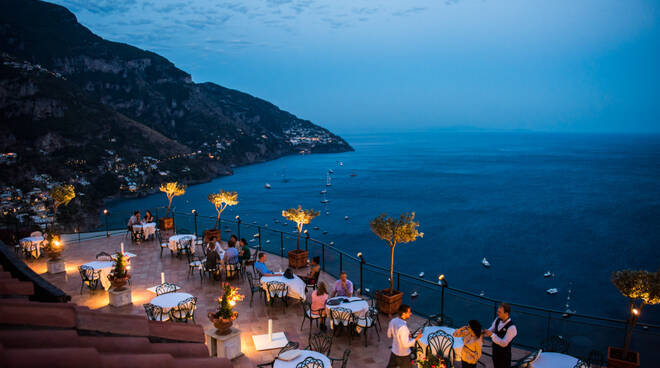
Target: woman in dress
(319, 297)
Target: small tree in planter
(220, 200)
(223, 318)
(171, 190)
(394, 231)
(298, 257)
(53, 249)
(119, 275)
(61, 195)
(641, 288)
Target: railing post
(306, 240)
(398, 281)
(281, 244)
(547, 331)
(323, 256)
(259, 232)
(361, 284)
(442, 304)
(239, 229)
(195, 214)
(494, 309)
(341, 262)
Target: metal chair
(163, 244)
(441, 344)
(184, 311)
(166, 288)
(368, 321)
(581, 364)
(89, 277)
(254, 288)
(342, 319)
(183, 246)
(103, 256)
(344, 358)
(278, 290)
(194, 263)
(555, 344)
(155, 313)
(321, 342)
(291, 345)
(232, 268)
(596, 359)
(526, 362)
(311, 315)
(310, 362)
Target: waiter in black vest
(502, 333)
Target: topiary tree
(61, 195)
(221, 200)
(301, 217)
(641, 288)
(395, 231)
(172, 189)
(119, 274)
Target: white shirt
(399, 332)
(510, 333)
(218, 248)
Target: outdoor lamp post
(306, 238)
(194, 212)
(443, 282)
(362, 262)
(107, 230)
(238, 225)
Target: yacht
(485, 262)
(414, 294)
(552, 291)
(548, 274)
(324, 191)
(267, 186)
(346, 218)
(330, 171)
(315, 228)
(421, 274)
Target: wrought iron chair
(183, 246)
(344, 358)
(89, 277)
(441, 344)
(232, 268)
(155, 313)
(254, 288)
(596, 359)
(278, 290)
(581, 364)
(163, 244)
(185, 310)
(310, 362)
(526, 362)
(166, 288)
(311, 315)
(103, 256)
(342, 319)
(137, 236)
(373, 305)
(312, 282)
(194, 263)
(368, 321)
(291, 345)
(556, 344)
(321, 342)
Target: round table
(358, 306)
(104, 268)
(32, 244)
(303, 355)
(296, 285)
(554, 360)
(174, 239)
(147, 229)
(424, 341)
(169, 300)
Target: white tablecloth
(175, 238)
(105, 267)
(358, 307)
(554, 360)
(32, 243)
(303, 355)
(424, 341)
(147, 229)
(127, 254)
(169, 300)
(296, 286)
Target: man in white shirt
(502, 333)
(398, 331)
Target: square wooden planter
(208, 234)
(389, 304)
(298, 258)
(615, 358)
(166, 223)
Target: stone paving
(147, 266)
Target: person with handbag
(472, 343)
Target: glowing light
(635, 311)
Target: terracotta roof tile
(117, 344)
(21, 312)
(53, 358)
(137, 360)
(120, 324)
(203, 363)
(176, 331)
(181, 350)
(14, 287)
(39, 338)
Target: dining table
(554, 360)
(103, 268)
(424, 341)
(296, 286)
(169, 300)
(148, 229)
(358, 306)
(32, 244)
(175, 239)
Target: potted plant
(641, 288)
(224, 317)
(393, 231)
(119, 275)
(220, 200)
(298, 257)
(431, 361)
(171, 190)
(61, 195)
(53, 249)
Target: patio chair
(184, 311)
(232, 268)
(343, 359)
(526, 362)
(321, 343)
(183, 246)
(163, 244)
(137, 236)
(596, 359)
(155, 313)
(368, 321)
(89, 277)
(254, 288)
(311, 315)
(310, 362)
(291, 345)
(555, 344)
(581, 364)
(342, 319)
(194, 263)
(166, 288)
(278, 290)
(441, 344)
(103, 256)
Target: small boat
(330, 171)
(324, 191)
(341, 163)
(324, 232)
(327, 213)
(482, 293)
(421, 274)
(315, 228)
(414, 294)
(276, 221)
(285, 223)
(328, 181)
(267, 241)
(325, 201)
(267, 186)
(253, 240)
(485, 262)
(346, 218)
(332, 243)
(548, 274)
(552, 291)
(256, 235)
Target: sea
(578, 205)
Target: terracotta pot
(208, 234)
(222, 325)
(298, 258)
(615, 358)
(389, 303)
(166, 223)
(119, 283)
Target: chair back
(369, 318)
(103, 256)
(277, 289)
(154, 312)
(344, 358)
(527, 361)
(341, 316)
(555, 344)
(310, 362)
(35, 234)
(321, 343)
(166, 288)
(250, 280)
(184, 310)
(441, 344)
(87, 273)
(291, 345)
(183, 245)
(231, 270)
(581, 364)
(596, 358)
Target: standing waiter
(502, 333)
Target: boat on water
(285, 223)
(341, 163)
(315, 228)
(327, 213)
(325, 201)
(328, 181)
(330, 171)
(267, 186)
(256, 235)
(267, 241)
(552, 291)
(482, 293)
(324, 232)
(485, 262)
(421, 274)
(548, 274)
(414, 294)
(252, 240)
(346, 218)
(324, 191)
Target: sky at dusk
(358, 66)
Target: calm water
(580, 206)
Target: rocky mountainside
(74, 105)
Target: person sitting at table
(232, 240)
(314, 271)
(212, 260)
(343, 286)
(215, 246)
(472, 343)
(261, 268)
(231, 254)
(148, 217)
(319, 297)
(244, 254)
(134, 220)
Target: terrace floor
(147, 266)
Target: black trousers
(468, 365)
(399, 361)
(502, 358)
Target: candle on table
(270, 330)
(122, 248)
(162, 277)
